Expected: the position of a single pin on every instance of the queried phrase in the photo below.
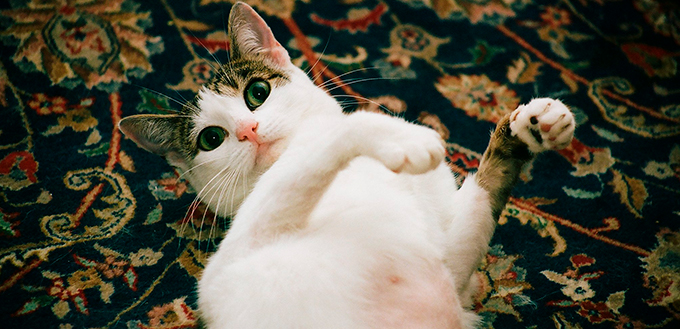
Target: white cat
(341, 221)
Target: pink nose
(248, 130)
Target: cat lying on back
(340, 221)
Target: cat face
(239, 122)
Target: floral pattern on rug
(97, 233)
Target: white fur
(226, 175)
(363, 224)
(343, 221)
(549, 113)
(354, 223)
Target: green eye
(256, 93)
(210, 138)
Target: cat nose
(248, 130)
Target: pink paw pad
(543, 124)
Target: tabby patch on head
(233, 79)
(240, 121)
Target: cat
(339, 220)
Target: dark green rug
(93, 231)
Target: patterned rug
(94, 231)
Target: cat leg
(286, 194)
(543, 124)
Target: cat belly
(317, 283)
(407, 282)
(290, 284)
(371, 257)
(421, 298)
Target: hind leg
(543, 124)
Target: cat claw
(543, 124)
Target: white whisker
(202, 164)
(209, 52)
(182, 104)
(318, 58)
(221, 186)
(367, 100)
(351, 82)
(320, 74)
(323, 85)
(199, 196)
(214, 187)
(197, 200)
(242, 178)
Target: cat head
(239, 122)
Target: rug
(97, 233)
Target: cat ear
(250, 35)
(156, 134)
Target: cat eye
(210, 138)
(256, 93)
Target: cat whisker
(318, 59)
(230, 184)
(227, 46)
(245, 184)
(215, 187)
(351, 82)
(201, 164)
(332, 80)
(209, 52)
(320, 74)
(193, 206)
(366, 100)
(243, 178)
(186, 103)
(195, 203)
(224, 187)
(187, 217)
(219, 189)
(190, 212)
(198, 198)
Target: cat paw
(414, 151)
(402, 146)
(543, 124)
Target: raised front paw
(401, 146)
(543, 124)
(415, 150)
